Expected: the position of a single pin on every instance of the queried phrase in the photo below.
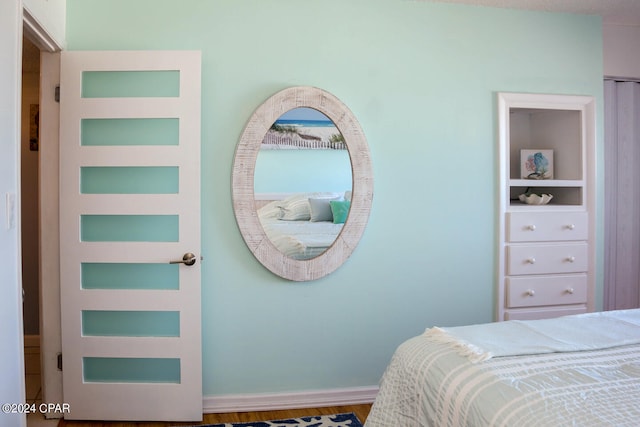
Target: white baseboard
(276, 401)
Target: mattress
(590, 379)
(301, 239)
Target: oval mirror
(302, 176)
(338, 201)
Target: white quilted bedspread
(430, 382)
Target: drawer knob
(571, 226)
(570, 290)
(571, 259)
(531, 227)
(531, 260)
(530, 292)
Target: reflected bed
(301, 239)
(302, 226)
(574, 370)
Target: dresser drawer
(546, 226)
(535, 291)
(543, 259)
(543, 313)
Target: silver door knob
(187, 259)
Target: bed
(580, 370)
(304, 225)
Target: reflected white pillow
(321, 209)
(270, 210)
(347, 195)
(296, 207)
(295, 210)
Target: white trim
(277, 401)
(50, 311)
(11, 326)
(281, 196)
(38, 34)
(272, 196)
(623, 79)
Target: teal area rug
(338, 420)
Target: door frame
(49, 258)
(50, 311)
(611, 286)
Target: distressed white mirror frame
(243, 183)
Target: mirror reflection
(302, 183)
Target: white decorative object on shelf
(534, 199)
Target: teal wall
(290, 171)
(422, 79)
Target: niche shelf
(546, 252)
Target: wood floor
(361, 411)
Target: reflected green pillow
(340, 210)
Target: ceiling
(622, 12)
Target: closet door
(129, 207)
(622, 195)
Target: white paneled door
(130, 235)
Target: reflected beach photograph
(303, 128)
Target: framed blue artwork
(536, 164)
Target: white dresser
(546, 252)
